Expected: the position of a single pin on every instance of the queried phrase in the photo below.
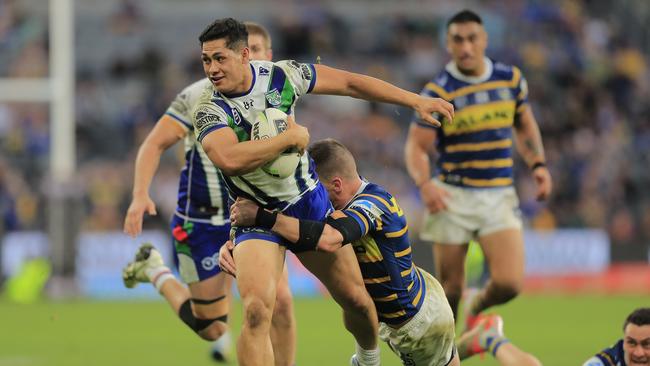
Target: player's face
(466, 43)
(258, 49)
(226, 68)
(636, 345)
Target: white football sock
(368, 357)
(158, 276)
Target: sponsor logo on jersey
(264, 71)
(306, 72)
(295, 64)
(205, 117)
(368, 208)
(273, 97)
(236, 116)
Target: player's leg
(259, 266)
(283, 324)
(504, 253)
(149, 267)
(428, 337)
(488, 336)
(449, 262)
(500, 237)
(450, 231)
(340, 273)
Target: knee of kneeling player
(256, 314)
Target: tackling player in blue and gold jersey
(415, 317)
(471, 196)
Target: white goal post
(58, 91)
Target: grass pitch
(559, 330)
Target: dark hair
(332, 158)
(465, 16)
(640, 316)
(231, 29)
(255, 28)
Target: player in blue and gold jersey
(415, 317)
(633, 349)
(471, 195)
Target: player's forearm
(373, 89)
(244, 157)
(529, 143)
(289, 228)
(146, 165)
(417, 163)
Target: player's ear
(245, 55)
(337, 183)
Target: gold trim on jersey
(396, 314)
(480, 117)
(371, 253)
(363, 218)
(520, 109)
(377, 279)
(383, 201)
(478, 164)
(416, 299)
(387, 278)
(403, 252)
(388, 298)
(449, 96)
(397, 234)
(496, 182)
(479, 146)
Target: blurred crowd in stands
(586, 63)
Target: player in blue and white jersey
(470, 195)
(223, 126)
(414, 315)
(201, 223)
(633, 349)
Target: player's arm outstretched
(339, 229)
(529, 145)
(165, 133)
(333, 81)
(236, 158)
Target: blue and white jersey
(202, 195)
(275, 84)
(476, 149)
(613, 356)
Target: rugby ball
(268, 124)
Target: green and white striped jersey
(275, 84)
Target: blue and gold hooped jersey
(384, 255)
(613, 356)
(476, 149)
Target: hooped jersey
(613, 356)
(476, 149)
(384, 255)
(202, 194)
(277, 85)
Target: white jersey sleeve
(181, 107)
(301, 76)
(208, 117)
(594, 361)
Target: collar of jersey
(237, 95)
(455, 72)
(364, 184)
